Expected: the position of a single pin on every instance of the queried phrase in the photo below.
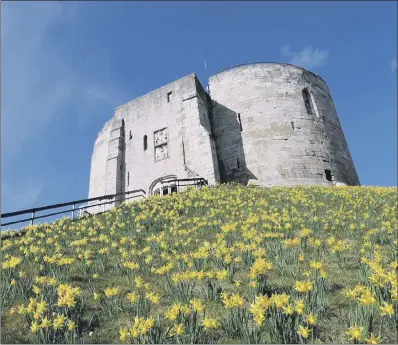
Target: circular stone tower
(276, 124)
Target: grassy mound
(219, 265)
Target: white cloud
(393, 65)
(308, 57)
(36, 82)
(38, 89)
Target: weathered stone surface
(283, 141)
(267, 123)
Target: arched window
(164, 185)
(145, 142)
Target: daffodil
(355, 332)
(59, 322)
(304, 332)
(303, 286)
(177, 329)
(387, 309)
(288, 309)
(34, 327)
(209, 323)
(45, 323)
(197, 305)
(71, 325)
(310, 319)
(373, 339)
(124, 334)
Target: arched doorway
(164, 186)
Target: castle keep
(263, 123)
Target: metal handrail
(197, 181)
(33, 211)
(201, 179)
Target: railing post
(73, 211)
(33, 218)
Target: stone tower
(276, 124)
(264, 123)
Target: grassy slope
(213, 223)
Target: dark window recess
(292, 123)
(165, 190)
(169, 96)
(173, 189)
(328, 174)
(128, 178)
(145, 142)
(237, 162)
(240, 123)
(130, 136)
(307, 101)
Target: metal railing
(82, 209)
(199, 182)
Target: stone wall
(163, 134)
(267, 123)
(269, 131)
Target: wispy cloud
(308, 57)
(40, 89)
(393, 65)
(37, 84)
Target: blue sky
(67, 65)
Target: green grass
(172, 229)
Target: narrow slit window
(308, 101)
(128, 178)
(237, 162)
(328, 174)
(145, 142)
(130, 135)
(169, 96)
(240, 122)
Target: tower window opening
(240, 123)
(308, 101)
(130, 135)
(237, 162)
(145, 142)
(328, 174)
(169, 96)
(128, 178)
